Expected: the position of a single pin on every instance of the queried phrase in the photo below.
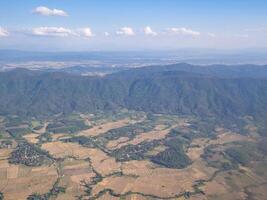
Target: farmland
(130, 155)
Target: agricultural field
(130, 155)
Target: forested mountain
(231, 91)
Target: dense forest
(221, 91)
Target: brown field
(136, 197)
(156, 150)
(100, 161)
(62, 150)
(74, 172)
(231, 185)
(112, 144)
(104, 164)
(156, 134)
(5, 153)
(200, 144)
(32, 138)
(139, 176)
(108, 197)
(103, 128)
(229, 137)
(21, 181)
(258, 192)
(58, 136)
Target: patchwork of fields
(130, 155)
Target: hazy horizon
(121, 25)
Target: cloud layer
(148, 31)
(3, 32)
(86, 32)
(127, 31)
(52, 31)
(45, 11)
(183, 31)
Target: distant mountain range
(221, 91)
(193, 56)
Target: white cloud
(86, 32)
(128, 31)
(42, 10)
(3, 32)
(148, 31)
(52, 31)
(106, 34)
(183, 31)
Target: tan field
(75, 171)
(103, 128)
(156, 150)
(32, 138)
(113, 144)
(147, 136)
(108, 197)
(100, 161)
(136, 197)
(58, 136)
(139, 176)
(22, 181)
(142, 179)
(221, 189)
(5, 153)
(62, 150)
(200, 144)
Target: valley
(130, 155)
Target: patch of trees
(218, 159)
(18, 132)
(129, 131)
(66, 126)
(13, 121)
(263, 146)
(5, 144)
(174, 156)
(82, 140)
(29, 155)
(244, 153)
(52, 193)
(134, 152)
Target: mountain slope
(158, 90)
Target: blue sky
(132, 24)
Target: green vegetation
(18, 132)
(244, 153)
(46, 137)
(134, 152)
(13, 121)
(5, 144)
(174, 156)
(66, 126)
(84, 141)
(218, 159)
(176, 92)
(29, 155)
(52, 193)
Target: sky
(95, 25)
